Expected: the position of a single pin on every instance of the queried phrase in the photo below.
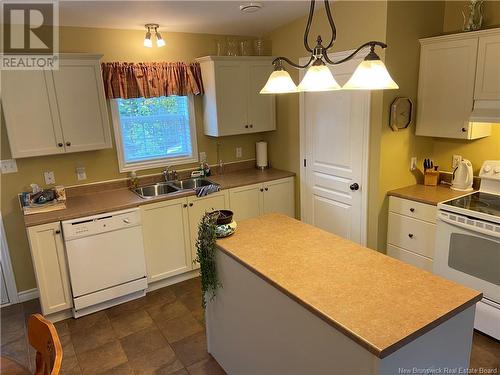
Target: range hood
(486, 111)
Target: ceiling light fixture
(371, 74)
(153, 28)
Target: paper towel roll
(261, 154)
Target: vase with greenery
(205, 255)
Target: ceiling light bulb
(371, 74)
(318, 78)
(159, 40)
(279, 82)
(147, 40)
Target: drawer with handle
(413, 209)
(409, 257)
(411, 234)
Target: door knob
(354, 186)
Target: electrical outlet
(81, 174)
(203, 157)
(456, 160)
(50, 179)
(9, 166)
(239, 152)
(413, 163)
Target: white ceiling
(210, 17)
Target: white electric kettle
(462, 176)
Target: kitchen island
(298, 300)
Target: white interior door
(334, 145)
(7, 282)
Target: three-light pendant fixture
(371, 73)
(152, 28)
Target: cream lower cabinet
(165, 229)
(254, 200)
(49, 261)
(170, 230)
(197, 208)
(411, 232)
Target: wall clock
(401, 113)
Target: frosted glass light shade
(371, 75)
(279, 82)
(318, 78)
(159, 40)
(147, 40)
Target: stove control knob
(496, 170)
(487, 168)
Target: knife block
(431, 177)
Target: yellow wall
(357, 22)
(116, 45)
(407, 21)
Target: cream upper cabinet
(30, 113)
(197, 207)
(258, 199)
(53, 112)
(488, 68)
(165, 229)
(232, 103)
(49, 261)
(457, 74)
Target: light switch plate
(239, 152)
(413, 163)
(9, 166)
(81, 174)
(50, 178)
(456, 160)
(203, 157)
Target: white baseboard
(28, 295)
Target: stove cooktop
(479, 202)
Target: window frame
(153, 163)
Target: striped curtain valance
(148, 80)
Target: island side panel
(253, 328)
(448, 346)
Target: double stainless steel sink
(170, 187)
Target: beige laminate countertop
(120, 199)
(426, 194)
(379, 302)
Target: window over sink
(154, 132)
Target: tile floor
(162, 333)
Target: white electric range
(468, 245)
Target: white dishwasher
(105, 260)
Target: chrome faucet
(168, 174)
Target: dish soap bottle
(133, 181)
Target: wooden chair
(43, 337)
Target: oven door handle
(469, 227)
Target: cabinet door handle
(246, 126)
(261, 189)
(68, 143)
(410, 235)
(58, 231)
(184, 205)
(251, 126)
(60, 144)
(190, 204)
(464, 130)
(412, 209)
(266, 189)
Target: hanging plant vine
(205, 255)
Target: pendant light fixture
(371, 74)
(148, 42)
